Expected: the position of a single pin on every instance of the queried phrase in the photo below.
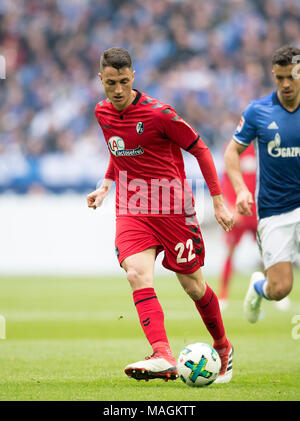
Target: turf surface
(69, 339)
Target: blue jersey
(276, 135)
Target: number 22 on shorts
(180, 247)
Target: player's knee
(279, 291)
(138, 279)
(195, 290)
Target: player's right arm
(244, 199)
(243, 136)
(95, 199)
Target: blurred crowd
(207, 59)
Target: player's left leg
(208, 307)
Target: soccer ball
(198, 365)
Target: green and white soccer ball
(198, 365)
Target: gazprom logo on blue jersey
(276, 151)
(117, 147)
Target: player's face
(117, 86)
(287, 82)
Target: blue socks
(260, 288)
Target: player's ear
(100, 76)
(133, 74)
(274, 76)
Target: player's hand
(244, 201)
(95, 199)
(222, 213)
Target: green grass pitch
(69, 339)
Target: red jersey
(248, 168)
(145, 142)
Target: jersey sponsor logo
(276, 151)
(240, 125)
(273, 126)
(117, 147)
(140, 127)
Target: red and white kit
(145, 142)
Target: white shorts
(278, 238)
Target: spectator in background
(51, 83)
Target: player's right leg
(232, 240)
(225, 277)
(208, 307)
(275, 286)
(139, 268)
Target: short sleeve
(246, 129)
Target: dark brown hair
(116, 57)
(284, 55)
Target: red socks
(208, 307)
(151, 316)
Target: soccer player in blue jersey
(273, 124)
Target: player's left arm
(186, 137)
(244, 198)
(208, 169)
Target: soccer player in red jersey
(155, 209)
(243, 223)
